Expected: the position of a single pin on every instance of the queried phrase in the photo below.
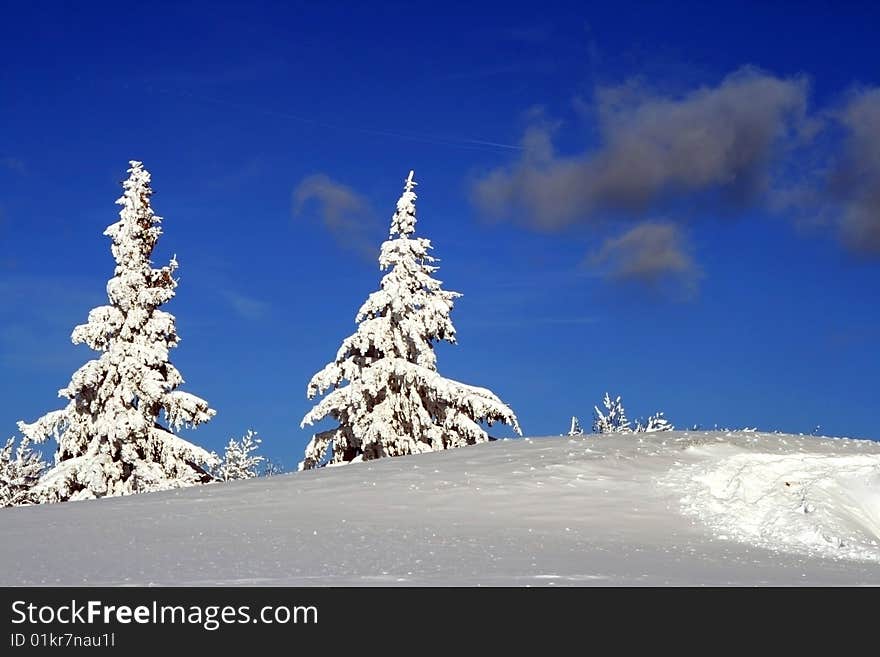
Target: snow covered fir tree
(613, 420)
(110, 440)
(20, 470)
(239, 459)
(575, 427)
(395, 402)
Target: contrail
(457, 142)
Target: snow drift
(666, 508)
(823, 504)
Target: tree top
(409, 183)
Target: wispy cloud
(29, 348)
(835, 186)
(13, 164)
(38, 316)
(853, 337)
(254, 67)
(529, 33)
(342, 211)
(245, 306)
(721, 138)
(653, 253)
(236, 177)
(750, 142)
(453, 141)
(527, 321)
(855, 182)
(517, 69)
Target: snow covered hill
(680, 508)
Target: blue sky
(676, 204)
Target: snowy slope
(654, 509)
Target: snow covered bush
(110, 441)
(271, 468)
(575, 428)
(613, 420)
(239, 460)
(395, 402)
(20, 469)
(656, 422)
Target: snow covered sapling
(20, 469)
(239, 460)
(613, 420)
(575, 429)
(110, 441)
(271, 468)
(395, 402)
(657, 422)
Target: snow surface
(667, 508)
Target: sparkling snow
(667, 508)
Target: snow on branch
(239, 460)
(657, 422)
(613, 420)
(109, 442)
(51, 425)
(383, 388)
(185, 410)
(20, 469)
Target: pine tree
(110, 441)
(614, 419)
(575, 429)
(395, 402)
(20, 469)
(239, 461)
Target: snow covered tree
(20, 469)
(575, 429)
(658, 422)
(110, 441)
(613, 420)
(271, 468)
(395, 402)
(239, 460)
